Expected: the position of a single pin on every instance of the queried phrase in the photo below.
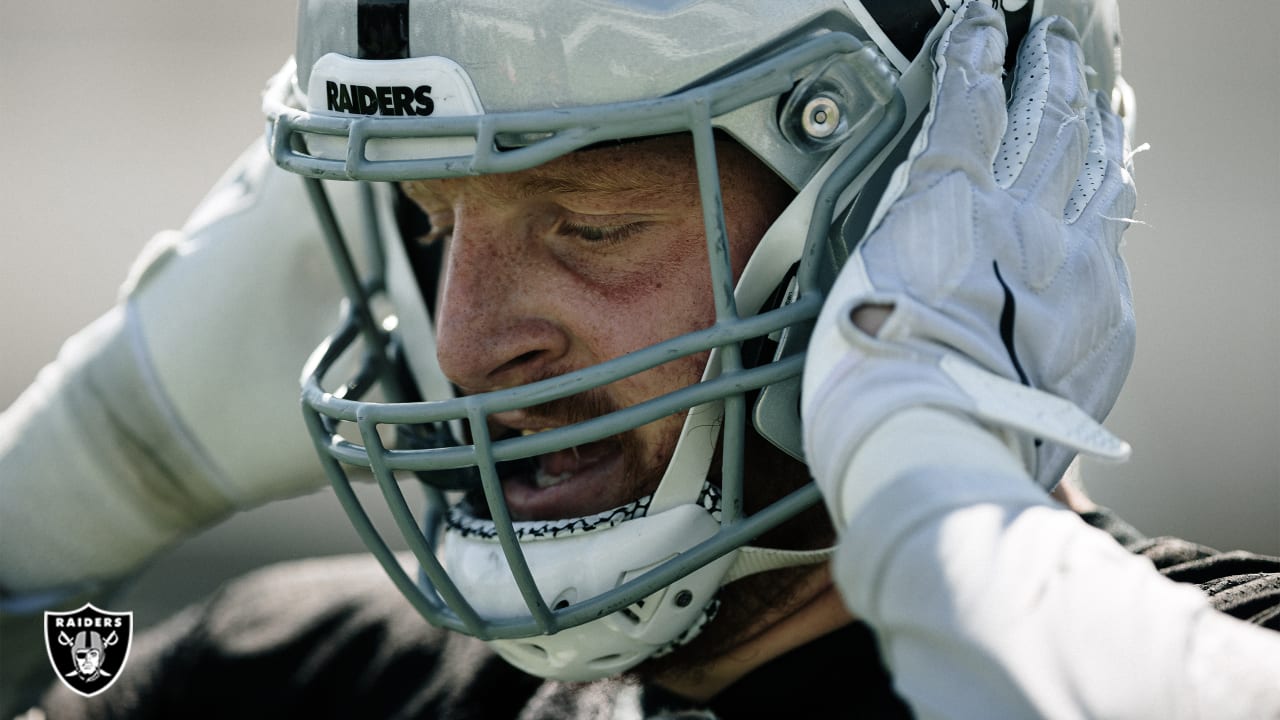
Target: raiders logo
(88, 648)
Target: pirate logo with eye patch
(88, 648)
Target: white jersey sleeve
(179, 405)
(990, 600)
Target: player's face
(584, 259)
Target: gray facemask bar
(690, 111)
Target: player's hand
(995, 252)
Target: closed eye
(604, 234)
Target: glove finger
(1043, 149)
(1095, 167)
(1120, 161)
(1114, 133)
(1111, 207)
(967, 115)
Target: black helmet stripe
(382, 29)
(906, 22)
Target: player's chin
(752, 604)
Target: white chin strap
(578, 559)
(583, 564)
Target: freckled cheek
(657, 382)
(678, 301)
(659, 437)
(665, 297)
(664, 378)
(658, 301)
(673, 375)
(639, 325)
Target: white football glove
(997, 247)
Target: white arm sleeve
(989, 600)
(179, 405)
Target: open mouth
(559, 467)
(574, 482)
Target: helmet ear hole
(567, 597)
(604, 662)
(533, 651)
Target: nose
(496, 319)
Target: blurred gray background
(117, 117)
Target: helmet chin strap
(691, 460)
(686, 473)
(683, 482)
(752, 560)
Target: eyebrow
(585, 180)
(575, 180)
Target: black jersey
(333, 638)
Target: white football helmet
(826, 93)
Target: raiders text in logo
(379, 100)
(88, 647)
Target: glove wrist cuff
(879, 379)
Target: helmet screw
(821, 117)
(683, 598)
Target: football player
(734, 346)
